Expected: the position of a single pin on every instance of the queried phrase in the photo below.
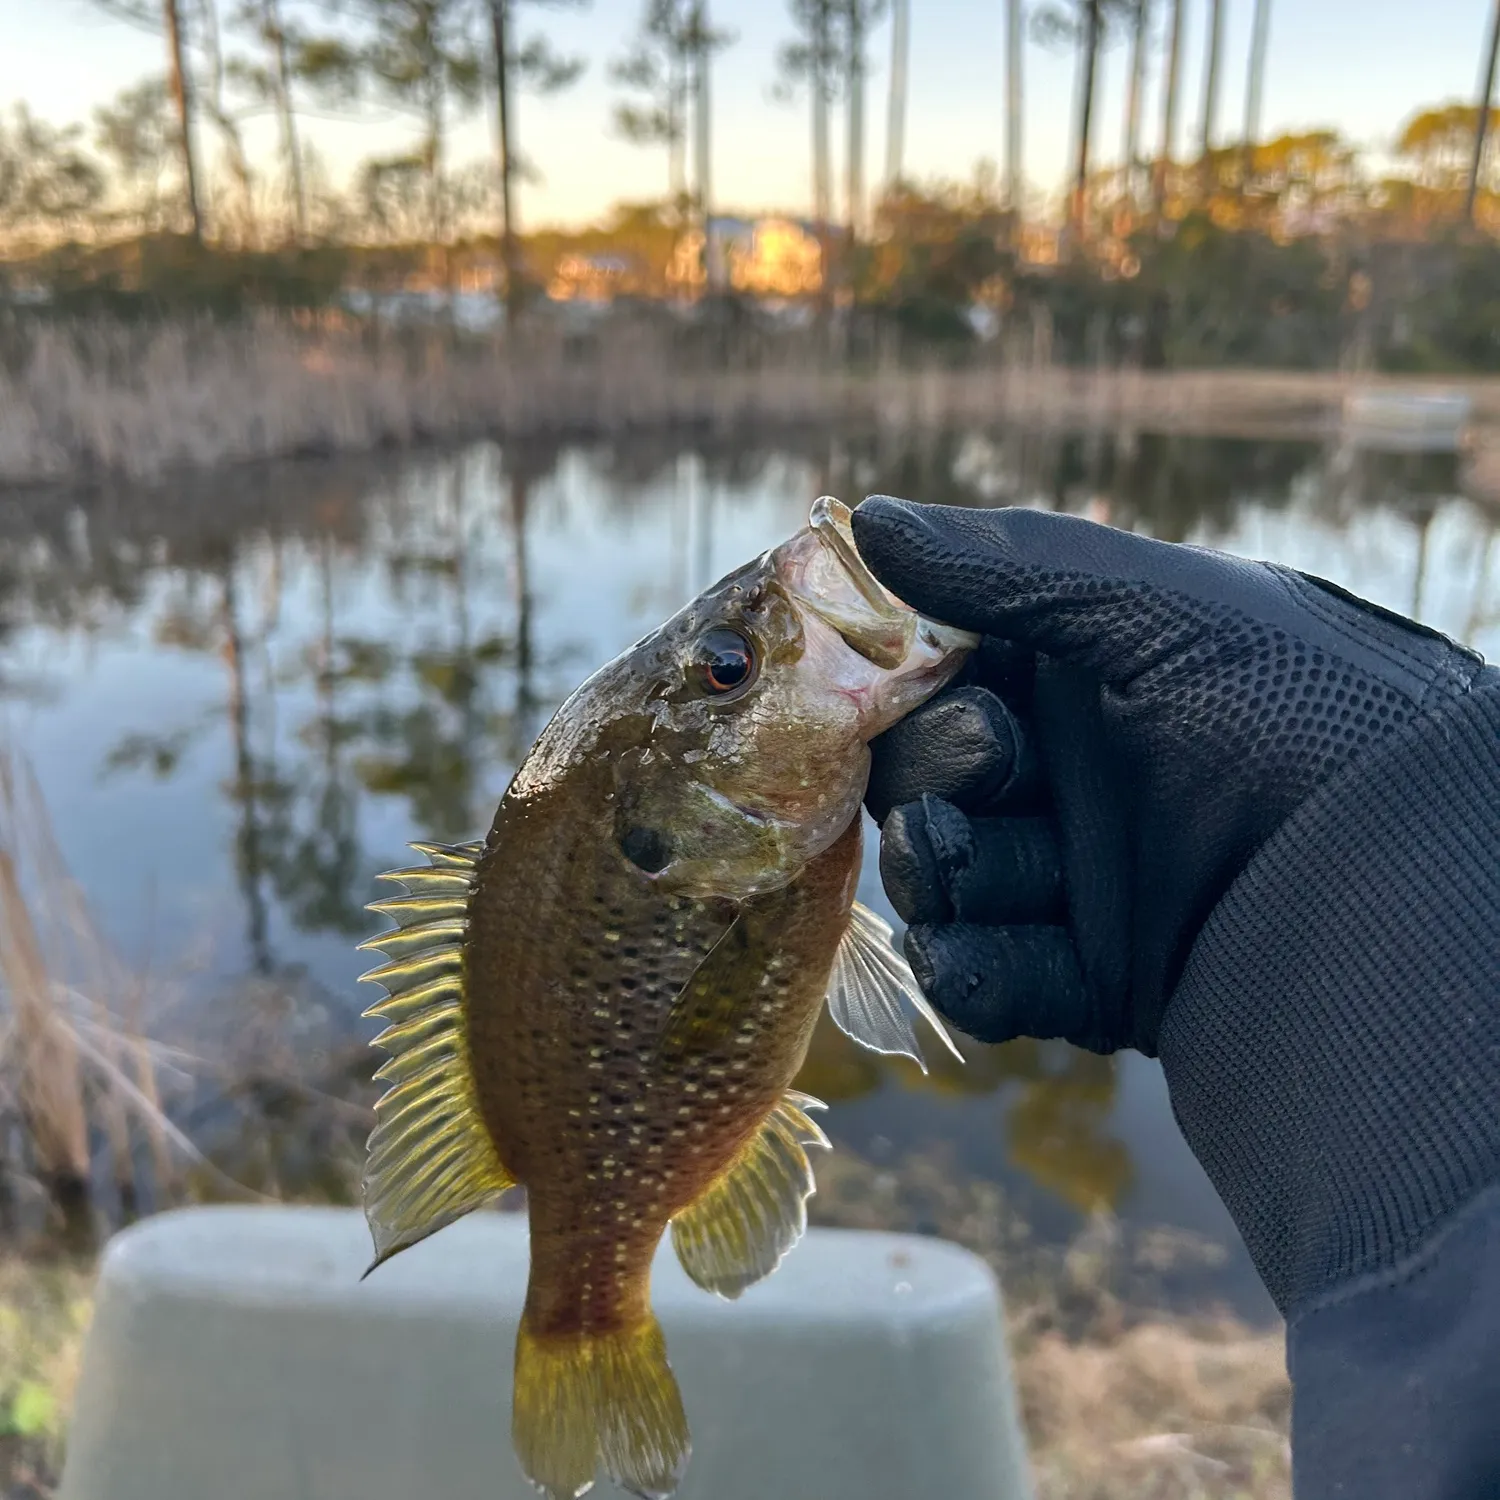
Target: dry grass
(1120, 1401)
(80, 1100)
(137, 402)
(1163, 1412)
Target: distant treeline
(940, 283)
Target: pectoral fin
(866, 988)
(741, 1228)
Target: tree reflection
(384, 665)
(420, 711)
(1058, 1132)
(252, 789)
(319, 868)
(1056, 1125)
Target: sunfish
(607, 1000)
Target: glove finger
(964, 746)
(939, 866)
(998, 983)
(1091, 595)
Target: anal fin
(738, 1232)
(430, 1159)
(867, 986)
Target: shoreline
(100, 404)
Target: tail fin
(582, 1400)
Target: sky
(1362, 66)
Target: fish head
(741, 748)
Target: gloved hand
(1228, 814)
(1141, 718)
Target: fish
(607, 1000)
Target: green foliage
(139, 137)
(44, 1309)
(170, 273)
(813, 58)
(1451, 320)
(655, 69)
(1064, 23)
(1243, 298)
(1439, 142)
(31, 1411)
(47, 183)
(1205, 297)
(938, 251)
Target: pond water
(242, 696)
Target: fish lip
(829, 520)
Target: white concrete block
(236, 1355)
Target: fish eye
(724, 661)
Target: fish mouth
(875, 623)
(832, 523)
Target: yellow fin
(430, 1160)
(586, 1400)
(739, 1231)
(866, 988)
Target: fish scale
(607, 1001)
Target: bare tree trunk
(895, 129)
(1015, 187)
(855, 165)
(1482, 120)
(1260, 36)
(677, 127)
(822, 173)
(702, 165)
(1171, 81)
(432, 153)
(1211, 84)
(276, 37)
(1088, 67)
(210, 100)
(1133, 96)
(177, 74)
(508, 259)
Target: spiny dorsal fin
(430, 1160)
(739, 1231)
(866, 988)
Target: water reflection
(244, 696)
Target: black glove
(1227, 813)
(1140, 719)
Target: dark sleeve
(1333, 1055)
(1412, 1357)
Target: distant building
(770, 257)
(480, 273)
(594, 278)
(1040, 244)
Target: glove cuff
(1333, 1046)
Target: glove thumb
(1082, 593)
